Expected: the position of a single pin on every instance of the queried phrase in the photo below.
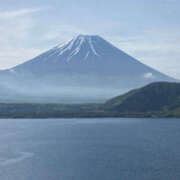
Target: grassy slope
(159, 97)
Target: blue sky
(146, 29)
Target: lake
(90, 149)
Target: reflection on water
(21, 156)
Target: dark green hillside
(161, 96)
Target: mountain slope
(86, 54)
(155, 97)
(85, 69)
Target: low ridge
(155, 97)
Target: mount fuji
(85, 69)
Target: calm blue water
(90, 149)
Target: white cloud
(148, 75)
(10, 57)
(16, 13)
(15, 39)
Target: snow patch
(75, 46)
(65, 47)
(78, 44)
(92, 47)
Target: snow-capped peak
(87, 60)
(86, 43)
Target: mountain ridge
(154, 97)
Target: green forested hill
(161, 97)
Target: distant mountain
(156, 97)
(86, 55)
(85, 69)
